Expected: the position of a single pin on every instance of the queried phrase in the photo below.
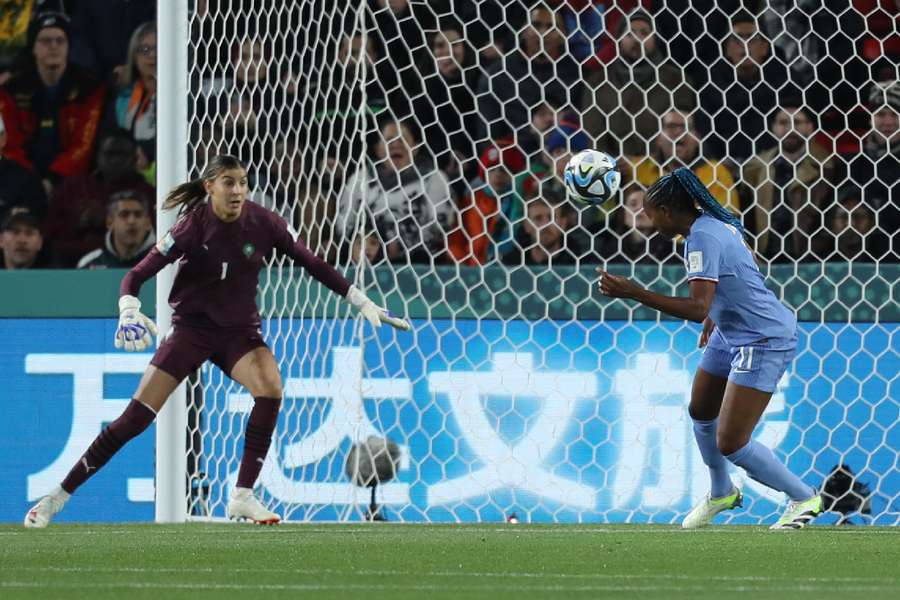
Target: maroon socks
(257, 439)
(135, 419)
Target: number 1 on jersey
(224, 270)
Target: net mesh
(418, 147)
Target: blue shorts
(756, 365)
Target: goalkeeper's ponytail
(187, 195)
(682, 191)
(190, 195)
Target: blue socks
(705, 434)
(761, 465)
(755, 458)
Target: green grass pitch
(395, 561)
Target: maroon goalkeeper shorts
(185, 348)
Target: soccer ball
(373, 461)
(591, 177)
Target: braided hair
(682, 191)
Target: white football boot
(41, 513)
(244, 505)
(800, 514)
(703, 514)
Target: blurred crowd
(437, 132)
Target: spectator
(631, 237)
(531, 139)
(19, 187)
(20, 240)
(885, 137)
(584, 27)
(500, 41)
(742, 92)
(679, 146)
(877, 168)
(447, 110)
(133, 106)
(539, 71)
(100, 34)
(14, 35)
(52, 108)
(625, 100)
(76, 219)
(851, 232)
(129, 236)
(543, 239)
(789, 25)
(815, 40)
(489, 212)
(788, 186)
(406, 197)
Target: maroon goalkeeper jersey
(219, 264)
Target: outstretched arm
(330, 278)
(318, 268)
(693, 308)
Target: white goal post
(172, 135)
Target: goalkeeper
(221, 242)
(750, 338)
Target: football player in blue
(749, 337)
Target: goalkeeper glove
(373, 313)
(135, 329)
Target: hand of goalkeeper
(373, 313)
(135, 329)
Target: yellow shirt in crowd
(714, 175)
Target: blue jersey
(744, 309)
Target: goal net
(417, 146)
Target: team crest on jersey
(248, 249)
(165, 244)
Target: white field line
(415, 587)
(458, 529)
(483, 574)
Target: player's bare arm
(693, 308)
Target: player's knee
(729, 443)
(697, 413)
(273, 385)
